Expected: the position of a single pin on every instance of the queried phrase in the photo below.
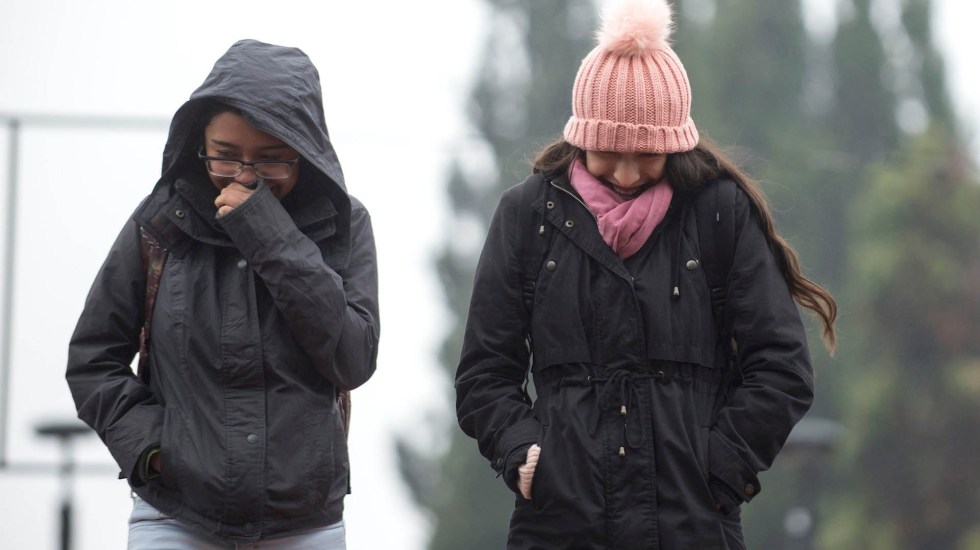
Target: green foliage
(917, 226)
(749, 85)
(917, 21)
(916, 397)
(863, 117)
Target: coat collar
(187, 208)
(566, 212)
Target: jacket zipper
(578, 200)
(594, 218)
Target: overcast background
(396, 80)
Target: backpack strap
(154, 256)
(715, 214)
(343, 402)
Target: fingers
(525, 472)
(231, 197)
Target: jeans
(149, 529)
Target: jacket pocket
(326, 463)
(702, 451)
(170, 469)
(188, 466)
(319, 462)
(539, 493)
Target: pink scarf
(625, 224)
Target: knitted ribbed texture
(525, 471)
(631, 93)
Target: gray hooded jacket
(261, 316)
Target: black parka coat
(262, 315)
(642, 434)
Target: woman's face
(628, 174)
(229, 136)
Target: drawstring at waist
(616, 391)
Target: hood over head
(277, 90)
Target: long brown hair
(689, 172)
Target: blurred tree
(916, 398)
(521, 100)
(747, 63)
(914, 288)
(863, 116)
(928, 87)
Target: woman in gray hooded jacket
(265, 311)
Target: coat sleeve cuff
(522, 434)
(512, 463)
(141, 472)
(148, 472)
(252, 223)
(727, 469)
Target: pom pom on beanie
(635, 27)
(632, 93)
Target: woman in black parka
(266, 310)
(645, 433)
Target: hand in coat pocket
(526, 471)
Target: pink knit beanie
(632, 93)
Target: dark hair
(197, 121)
(689, 172)
(208, 111)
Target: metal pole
(65, 432)
(7, 316)
(811, 443)
(66, 493)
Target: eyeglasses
(230, 168)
